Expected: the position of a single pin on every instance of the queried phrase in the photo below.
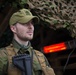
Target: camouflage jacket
(4, 62)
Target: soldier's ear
(13, 28)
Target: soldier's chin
(29, 38)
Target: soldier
(22, 26)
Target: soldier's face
(23, 31)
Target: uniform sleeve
(3, 62)
(49, 69)
(47, 63)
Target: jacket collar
(18, 46)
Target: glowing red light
(54, 47)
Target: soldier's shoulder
(39, 52)
(3, 51)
